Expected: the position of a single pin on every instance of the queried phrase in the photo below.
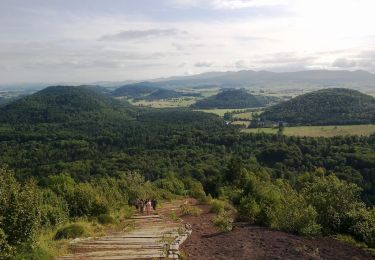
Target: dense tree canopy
(324, 107)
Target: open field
(219, 112)
(238, 113)
(241, 123)
(316, 131)
(164, 103)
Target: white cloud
(140, 34)
(240, 4)
(204, 64)
(199, 36)
(344, 63)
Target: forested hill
(230, 98)
(136, 90)
(334, 106)
(163, 94)
(59, 104)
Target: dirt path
(150, 239)
(251, 242)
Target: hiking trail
(154, 236)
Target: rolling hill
(136, 90)
(291, 80)
(229, 98)
(163, 94)
(324, 107)
(59, 103)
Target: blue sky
(112, 40)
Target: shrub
(173, 216)
(276, 204)
(105, 219)
(5, 248)
(292, 213)
(20, 209)
(190, 210)
(249, 210)
(71, 231)
(195, 189)
(349, 240)
(84, 201)
(333, 200)
(54, 209)
(363, 226)
(217, 206)
(224, 221)
(172, 184)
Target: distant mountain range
(249, 78)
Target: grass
(188, 210)
(165, 103)
(319, 131)
(241, 123)
(173, 216)
(47, 247)
(244, 116)
(219, 112)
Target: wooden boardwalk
(152, 238)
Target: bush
(249, 210)
(224, 221)
(217, 206)
(105, 219)
(172, 184)
(292, 213)
(363, 226)
(84, 201)
(349, 240)
(333, 200)
(54, 209)
(190, 210)
(71, 231)
(276, 204)
(20, 210)
(5, 248)
(195, 189)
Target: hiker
(148, 206)
(154, 203)
(137, 202)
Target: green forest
(230, 98)
(73, 152)
(336, 106)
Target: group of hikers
(146, 205)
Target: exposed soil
(252, 242)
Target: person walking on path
(154, 203)
(148, 206)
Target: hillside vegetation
(136, 90)
(335, 106)
(61, 104)
(92, 155)
(229, 98)
(146, 91)
(163, 94)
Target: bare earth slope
(251, 242)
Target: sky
(87, 41)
